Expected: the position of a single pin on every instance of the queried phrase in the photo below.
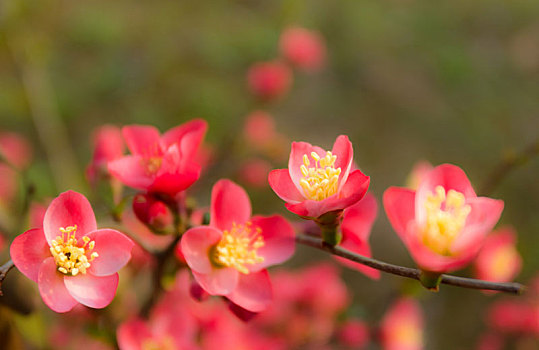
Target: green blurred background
(445, 81)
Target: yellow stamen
(165, 343)
(152, 164)
(446, 216)
(70, 258)
(322, 180)
(238, 247)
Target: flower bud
(152, 212)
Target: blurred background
(406, 80)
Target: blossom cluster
(218, 292)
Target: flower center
(322, 180)
(238, 247)
(446, 216)
(152, 164)
(166, 343)
(70, 258)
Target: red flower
(317, 182)
(443, 223)
(498, 260)
(268, 80)
(163, 164)
(229, 256)
(305, 49)
(356, 229)
(70, 259)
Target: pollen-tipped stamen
(72, 259)
(322, 180)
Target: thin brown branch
(4, 269)
(508, 164)
(408, 272)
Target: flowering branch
(4, 269)
(408, 272)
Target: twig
(509, 163)
(4, 269)
(408, 272)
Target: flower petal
(359, 218)
(279, 241)
(142, 140)
(130, 170)
(281, 183)
(176, 173)
(188, 136)
(114, 249)
(253, 292)
(92, 291)
(342, 148)
(28, 251)
(219, 281)
(399, 204)
(299, 149)
(52, 288)
(68, 209)
(485, 213)
(196, 244)
(229, 204)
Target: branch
(408, 272)
(4, 269)
(509, 163)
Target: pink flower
(443, 223)
(15, 149)
(305, 49)
(354, 334)
(317, 182)
(163, 164)
(259, 129)
(499, 260)
(108, 146)
(70, 259)
(402, 326)
(269, 80)
(356, 229)
(229, 256)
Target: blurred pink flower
(259, 129)
(498, 260)
(356, 228)
(163, 164)
(306, 305)
(70, 259)
(108, 145)
(8, 183)
(303, 48)
(324, 184)
(354, 334)
(443, 224)
(15, 149)
(269, 80)
(229, 256)
(490, 341)
(254, 172)
(402, 326)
